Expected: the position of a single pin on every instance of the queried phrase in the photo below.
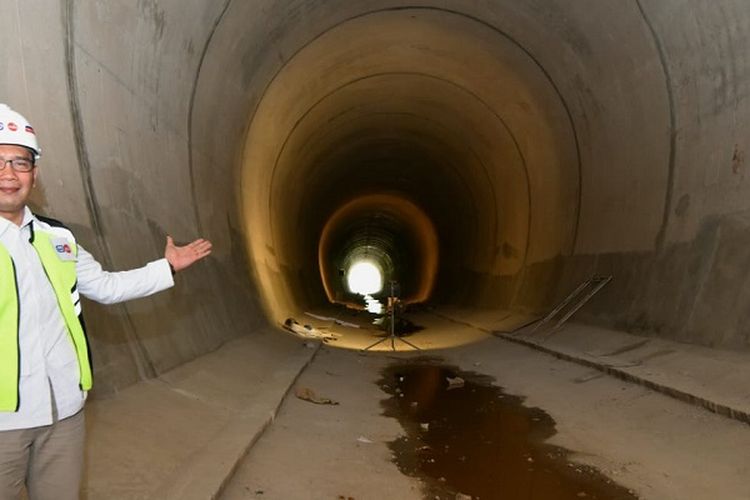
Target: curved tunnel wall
(546, 140)
(403, 106)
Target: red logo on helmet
(12, 127)
(29, 129)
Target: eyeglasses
(17, 164)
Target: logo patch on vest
(63, 249)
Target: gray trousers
(48, 460)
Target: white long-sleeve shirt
(47, 357)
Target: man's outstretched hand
(181, 257)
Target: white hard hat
(16, 130)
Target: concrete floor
(314, 451)
(197, 428)
(180, 435)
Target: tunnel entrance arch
(387, 229)
(429, 103)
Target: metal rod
(561, 305)
(601, 281)
(392, 337)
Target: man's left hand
(180, 257)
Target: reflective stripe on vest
(9, 315)
(62, 275)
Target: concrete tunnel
(490, 154)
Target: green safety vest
(62, 276)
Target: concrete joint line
(143, 362)
(191, 107)
(685, 397)
(661, 51)
(207, 474)
(270, 420)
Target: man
(45, 369)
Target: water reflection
(373, 305)
(466, 437)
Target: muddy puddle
(466, 439)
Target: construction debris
(330, 318)
(307, 394)
(309, 331)
(455, 382)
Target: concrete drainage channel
(699, 389)
(181, 435)
(205, 476)
(621, 373)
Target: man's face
(15, 187)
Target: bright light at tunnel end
(364, 278)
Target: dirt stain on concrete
(465, 438)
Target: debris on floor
(331, 318)
(501, 434)
(309, 331)
(363, 439)
(455, 382)
(402, 326)
(307, 394)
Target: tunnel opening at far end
(388, 232)
(364, 277)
